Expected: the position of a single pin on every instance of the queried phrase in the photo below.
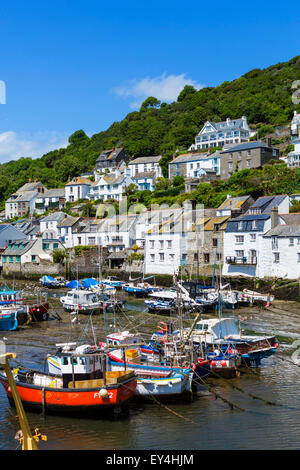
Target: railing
(241, 260)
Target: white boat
(252, 296)
(81, 301)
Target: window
(79, 240)
(161, 257)
(248, 163)
(4, 259)
(11, 259)
(254, 224)
(161, 244)
(45, 246)
(239, 253)
(151, 243)
(169, 243)
(252, 237)
(33, 258)
(152, 257)
(276, 257)
(171, 256)
(195, 256)
(298, 254)
(206, 258)
(291, 241)
(240, 226)
(248, 153)
(215, 242)
(17, 259)
(239, 239)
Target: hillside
(264, 96)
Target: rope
(232, 405)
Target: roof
(209, 225)
(152, 159)
(284, 231)
(246, 223)
(31, 186)
(19, 251)
(54, 217)
(191, 157)
(68, 221)
(111, 154)
(56, 192)
(145, 174)
(3, 226)
(229, 124)
(23, 196)
(266, 203)
(113, 179)
(79, 180)
(247, 146)
(233, 203)
(291, 219)
(117, 255)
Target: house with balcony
(110, 187)
(293, 158)
(51, 199)
(243, 238)
(218, 134)
(193, 165)
(249, 155)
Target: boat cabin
(74, 362)
(123, 338)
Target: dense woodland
(263, 96)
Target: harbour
(205, 422)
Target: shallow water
(206, 423)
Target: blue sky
(85, 64)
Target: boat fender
(103, 393)
(223, 363)
(193, 366)
(213, 363)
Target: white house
(48, 225)
(76, 189)
(280, 252)
(218, 134)
(146, 165)
(65, 230)
(110, 186)
(23, 200)
(293, 158)
(243, 244)
(191, 165)
(166, 244)
(50, 199)
(145, 181)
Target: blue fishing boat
(8, 320)
(136, 289)
(112, 281)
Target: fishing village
(149, 231)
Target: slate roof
(78, 181)
(19, 251)
(291, 219)
(266, 203)
(284, 231)
(54, 217)
(68, 221)
(247, 146)
(111, 154)
(32, 186)
(192, 157)
(233, 224)
(152, 159)
(56, 192)
(145, 174)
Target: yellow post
(28, 442)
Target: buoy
(103, 393)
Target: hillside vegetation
(264, 96)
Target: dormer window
(240, 225)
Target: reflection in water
(261, 426)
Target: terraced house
(23, 200)
(191, 165)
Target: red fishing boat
(82, 386)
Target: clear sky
(70, 65)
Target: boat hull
(8, 322)
(71, 400)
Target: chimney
(269, 141)
(274, 217)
